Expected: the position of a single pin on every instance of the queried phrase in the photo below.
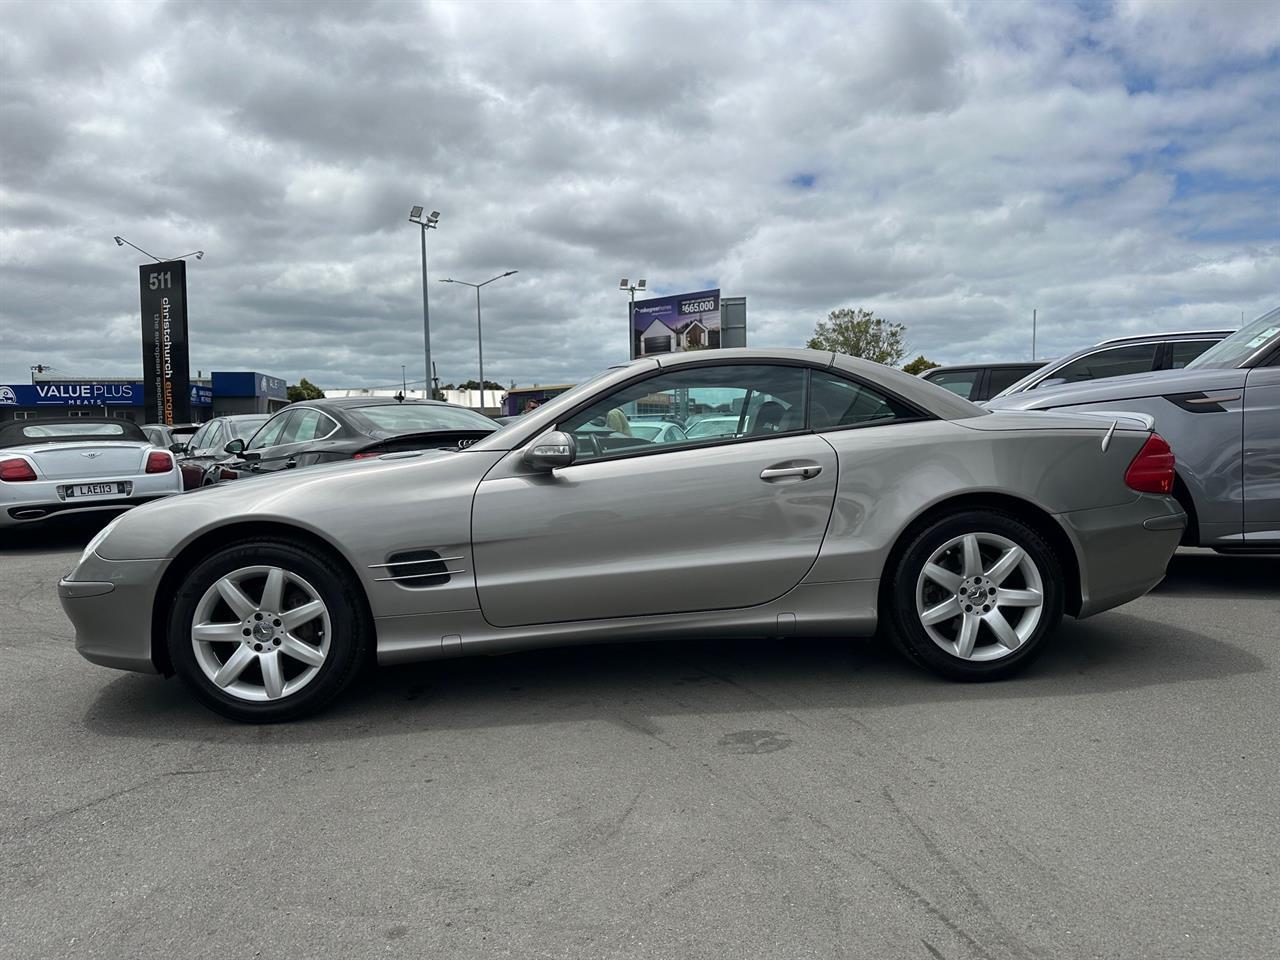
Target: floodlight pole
(121, 242)
(631, 312)
(1033, 335)
(426, 315)
(425, 223)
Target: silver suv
(1121, 356)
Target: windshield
(244, 429)
(1240, 346)
(404, 418)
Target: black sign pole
(166, 368)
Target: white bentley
(50, 467)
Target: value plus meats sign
(166, 370)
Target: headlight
(98, 538)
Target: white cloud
(1113, 167)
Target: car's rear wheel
(264, 631)
(975, 596)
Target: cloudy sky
(951, 166)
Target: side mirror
(1050, 382)
(234, 446)
(551, 450)
(177, 448)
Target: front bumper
(110, 602)
(1123, 550)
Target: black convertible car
(324, 431)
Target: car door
(191, 462)
(304, 426)
(263, 448)
(637, 527)
(1262, 452)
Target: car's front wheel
(264, 631)
(976, 595)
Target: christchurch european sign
(166, 370)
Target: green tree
(919, 365)
(304, 389)
(860, 333)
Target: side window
(705, 405)
(1116, 362)
(307, 424)
(836, 402)
(270, 432)
(959, 382)
(199, 438)
(1182, 352)
(217, 437)
(1001, 378)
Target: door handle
(807, 472)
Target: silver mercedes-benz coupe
(848, 495)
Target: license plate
(95, 491)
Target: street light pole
(479, 330)
(625, 284)
(426, 223)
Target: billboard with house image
(686, 321)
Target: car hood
(304, 497)
(1117, 389)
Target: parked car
(707, 427)
(1120, 357)
(324, 431)
(168, 436)
(979, 381)
(202, 455)
(855, 492)
(50, 467)
(658, 431)
(1221, 416)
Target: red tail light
(1152, 469)
(364, 456)
(16, 470)
(159, 462)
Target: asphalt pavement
(753, 799)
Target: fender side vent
(417, 568)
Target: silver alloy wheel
(980, 596)
(265, 649)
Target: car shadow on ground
(1113, 652)
(1203, 573)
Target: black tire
(909, 634)
(349, 635)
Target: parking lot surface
(797, 798)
